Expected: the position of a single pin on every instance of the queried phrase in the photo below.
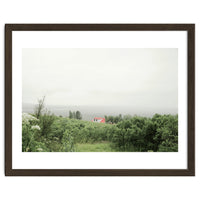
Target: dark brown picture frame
(190, 28)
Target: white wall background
(104, 11)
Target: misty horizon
(89, 112)
(135, 80)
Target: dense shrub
(159, 133)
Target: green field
(96, 147)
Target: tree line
(75, 115)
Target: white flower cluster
(26, 118)
(36, 127)
(39, 149)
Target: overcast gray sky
(142, 78)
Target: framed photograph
(99, 99)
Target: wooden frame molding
(190, 28)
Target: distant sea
(89, 112)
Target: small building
(99, 120)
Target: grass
(95, 147)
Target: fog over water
(101, 81)
(89, 112)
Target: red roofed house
(99, 120)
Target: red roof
(100, 119)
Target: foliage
(68, 141)
(30, 128)
(113, 119)
(46, 121)
(134, 134)
(39, 108)
(159, 133)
